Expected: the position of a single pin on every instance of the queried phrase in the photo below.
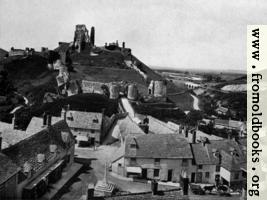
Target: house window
(95, 121)
(92, 131)
(207, 175)
(133, 146)
(184, 162)
(119, 164)
(236, 176)
(157, 161)
(193, 162)
(217, 168)
(200, 166)
(132, 161)
(156, 172)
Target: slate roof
(156, 126)
(158, 146)
(36, 124)
(84, 120)
(222, 122)
(230, 123)
(232, 163)
(203, 155)
(11, 136)
(27, 149)
(7, 168)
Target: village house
(8, 177)
(217, 161)
(39, 160)
(86, 126)
(162, 157)
(10, 135)
(16, 52)
(238, 126)
(221, 110)
(122, 127)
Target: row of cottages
(219, 161)
(162, 157)
(29, 166)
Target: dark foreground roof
(7, 168)
(27, 150)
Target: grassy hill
(32, 79)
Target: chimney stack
(64, 114)
(14, 121)
(186, 132)
(194, 135)
(44, 119)
(123, 45)
(0, 141)
(49, 120)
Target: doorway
(144, 173)
(169, 175)
(199, 177)
(193, 175)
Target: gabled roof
(232, 162)
(84, 120)
(203, 155)
(156, 126)
(7, 168)
(11, 136)
(236, 124)
(36, 124)
(230, 123)
(158, 146)
(222, 122)
(27, 149)
(128, 127)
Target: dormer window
(157, 161)
(95, 121)
(133, 146)
(70, 118)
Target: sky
(178, 34)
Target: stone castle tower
(81, 37)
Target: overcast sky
(172, 33)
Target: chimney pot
(0, 141)
(49, 119)
(44, 119)
(194, 135)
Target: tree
(193, 117)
